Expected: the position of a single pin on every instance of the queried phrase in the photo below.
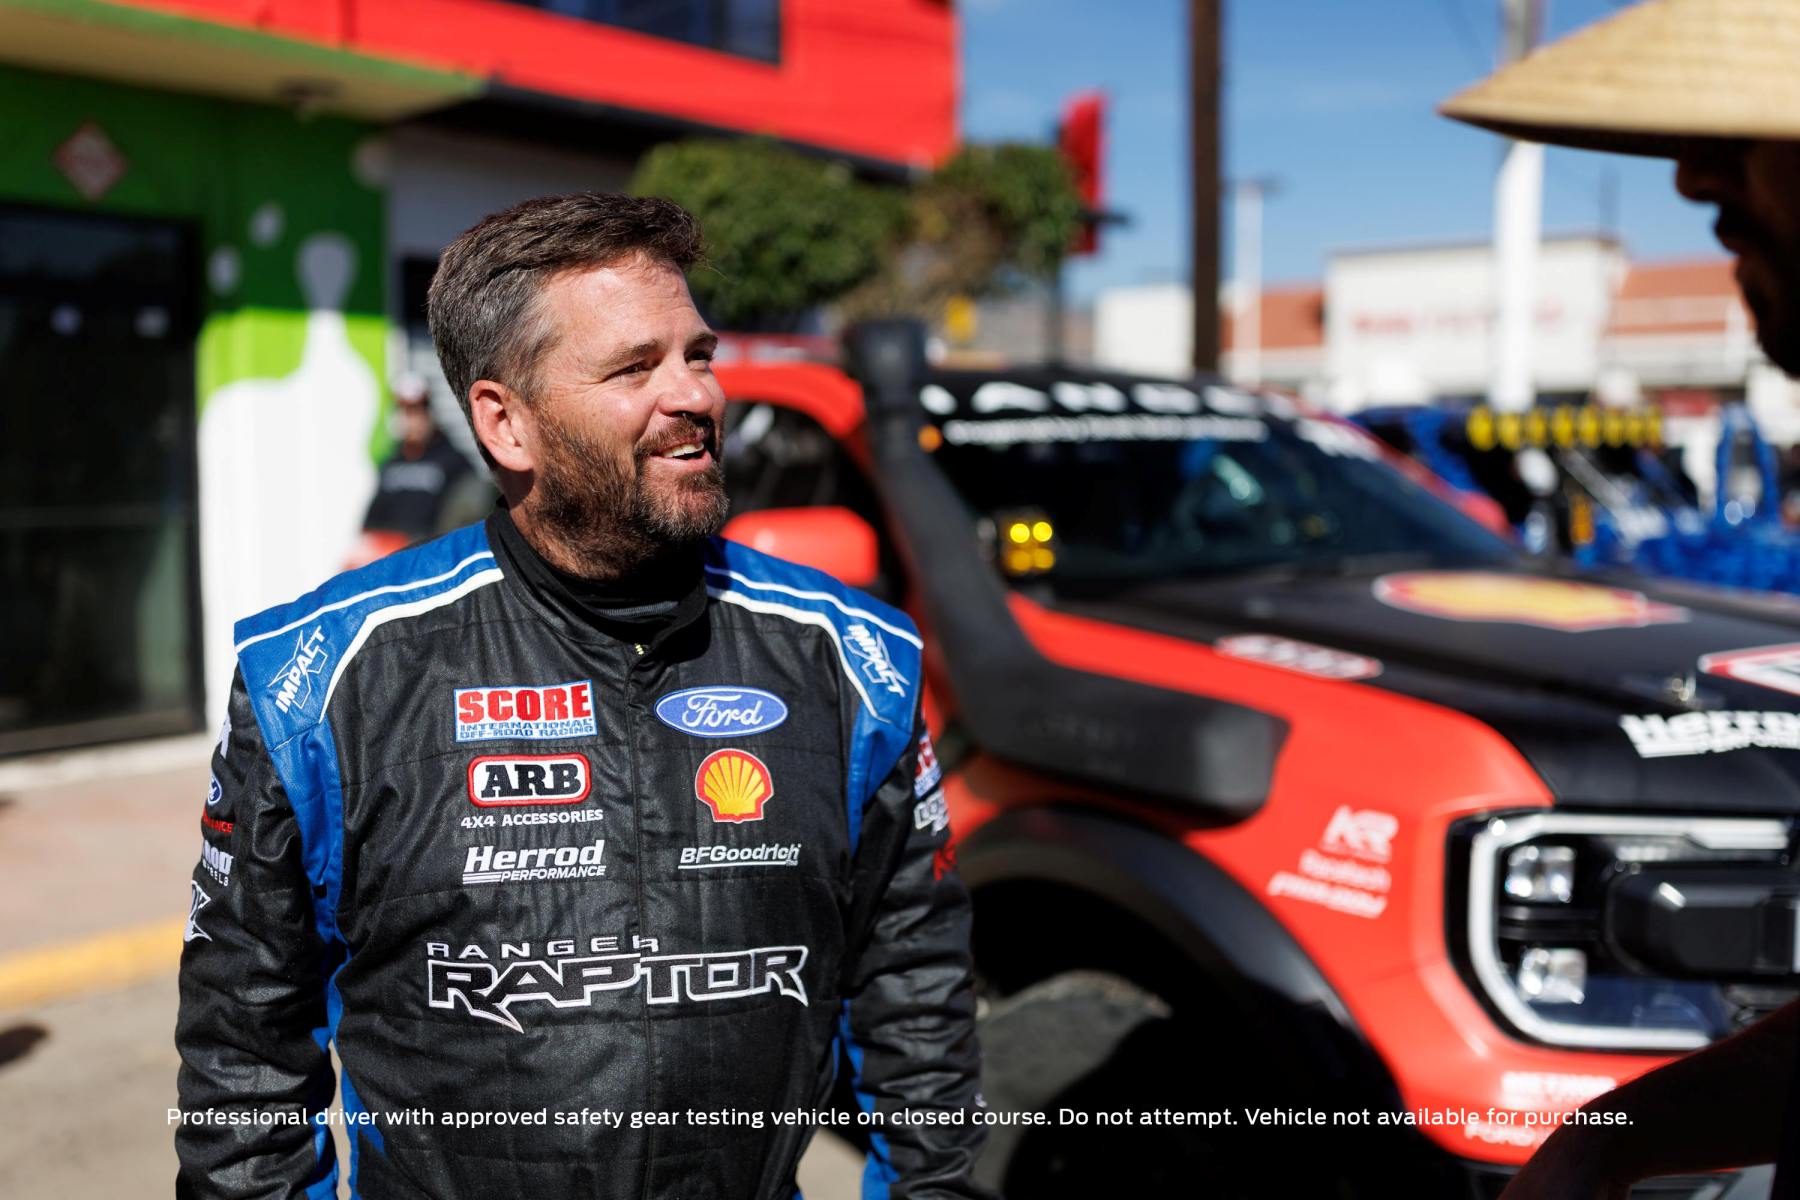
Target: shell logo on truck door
(1562, 604)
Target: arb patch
(498, 780)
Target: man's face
(1755, 185)
(627, 414)
(414, 420)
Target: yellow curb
(95, 964)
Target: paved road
(101, 854)
(84, 1087)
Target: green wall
(254, 181)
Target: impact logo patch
(515, 713)
(499, 780)
(213, 792)
(872, 655)
(734, 784)
(1774, 667)
(716, 712)
(1561, 604)
(293, 684)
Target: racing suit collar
(645, 609)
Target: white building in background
(1403, 326)
(1147, 329)
(1409, 325)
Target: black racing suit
(533, 867)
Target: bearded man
(585, 837)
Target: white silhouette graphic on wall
(285, 471)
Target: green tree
(990, 217)
(785, 232)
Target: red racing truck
(1320, 842)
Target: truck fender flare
(1209, 918)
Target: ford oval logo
(717, 712)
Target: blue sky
(1332, 98)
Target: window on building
(98, 536)
(750, 28)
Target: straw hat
(1650, 77)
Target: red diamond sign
(90, 161)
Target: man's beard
(1778, 320)
(1772, 293)
(605, 517)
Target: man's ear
(503, 424)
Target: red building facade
(872, 78)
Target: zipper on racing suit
(637, 825)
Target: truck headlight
(1625, 932)
(1552, 976)
(1541, 873)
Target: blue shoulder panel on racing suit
(291, 657)
(878, 648)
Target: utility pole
(1247, 197)
(1203, 155)
(1518, 227)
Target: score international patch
(524, 713)
(1563, 604)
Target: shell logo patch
(734, 784)
(1563, 604)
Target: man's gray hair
(483, 303)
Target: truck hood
(1620, 692)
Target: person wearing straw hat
(1715, 86)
